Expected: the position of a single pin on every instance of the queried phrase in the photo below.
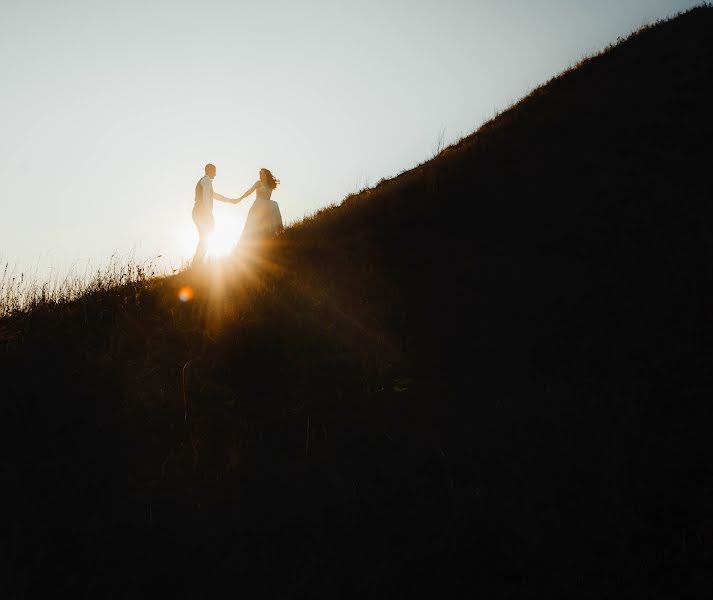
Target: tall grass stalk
(22, 291)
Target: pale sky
(109, 110)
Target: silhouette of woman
(264, 218)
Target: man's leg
(205, 227)
(201, 249)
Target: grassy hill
(492, 374)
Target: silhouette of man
(203, 212)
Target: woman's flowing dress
(264, 218)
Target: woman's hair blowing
(268, 178)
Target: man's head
(210, 170)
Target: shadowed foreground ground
(491, 374)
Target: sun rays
(259, 275)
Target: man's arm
(217, 196)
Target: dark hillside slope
(593, 190)
(490, 374)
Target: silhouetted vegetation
(492, 374)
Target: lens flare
(185, 294)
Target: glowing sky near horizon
(109, 110)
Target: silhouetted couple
(264, 218)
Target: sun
(221, 242)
